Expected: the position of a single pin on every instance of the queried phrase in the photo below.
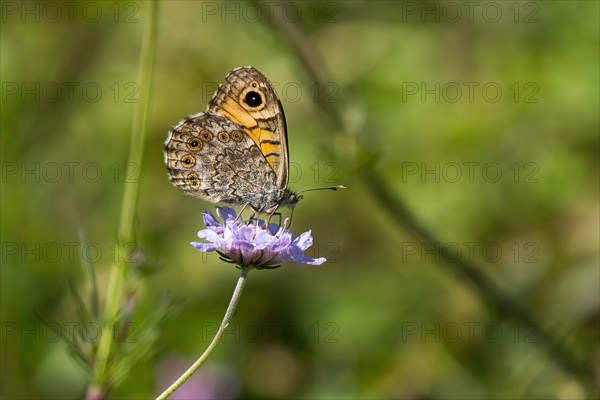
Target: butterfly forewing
(249, 100)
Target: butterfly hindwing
(211, 157)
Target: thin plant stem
(507, 307)
(224, 324)
(119, 269)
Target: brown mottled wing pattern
(211, 157)
(248, 99)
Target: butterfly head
(290, 199)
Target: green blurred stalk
(119, 270)
(548, 341)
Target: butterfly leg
(271, 216)
(255, 217)
(291, 218)
(241, 211)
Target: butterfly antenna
(323, 188)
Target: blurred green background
(483, 117)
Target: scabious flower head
(251, 243)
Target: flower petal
(210, 221)
(204, 247)
(226, 213)
(314, 261)
(209, 235)
(304, 241)
(297, 255)
(274, 228)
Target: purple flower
(251, 244)
(212, 382)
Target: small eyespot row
(193, 180)
(223, 136)
(188, 161)
(237, 136)
(194, 144)
(205, 135)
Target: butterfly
(236, 152)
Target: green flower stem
(226, 320)
(118, 274)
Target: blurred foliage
(384, 318)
